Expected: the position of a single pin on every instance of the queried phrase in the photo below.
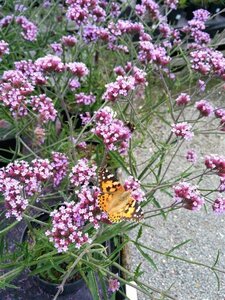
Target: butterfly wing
(108, 185)
(115, 200)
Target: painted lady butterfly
(116, 201)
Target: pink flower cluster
(50, 63)
(15, 203)
(82, 11)
(125, 27)
(31, 71)
(216, 163)
(183, 99)
(69, 40)
(29, 29)
(191, 156)
(4, 22)
(78, 69)
(4, 48)
(81, 98)
(150, 7)
(150, 53)
(220, 114)
(82, 173)
(59, 167)
(188, 195)
(182, 130)
(133, 185)
(207, 61)
(20, 180)
(138, 74)
(57, 48)
(45, 108)
(171, 3)
(68, 221)
(114, 133)
(14, 87)
(114, 285)
(195, 28)
(204, 107)
(219, 205)
(93, 33)
(121, 87)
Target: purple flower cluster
(150, 7)
(20, 180)
(205, 108)
(171, 3)
(191, 156)
(4, 22)
(133, 185)
(57, 48)
(195, 28)
(69, 40)
(114, 285)
(29, 29)
(59, 167)
(220, 114)
(82, 173)
(216, 163)
(138, 74)
(188, 195)
(4, 48)
(45, 108)
(207, 61)
(31, 71)
(121, 87)
(68, 221)
(219, 205)
(114, 133)
(125, 27)
(182, 130)
(78, 69)
(150, 53)
(14, 88)
(15, 203)
(183, 99)
(82, 11)
(81, 98)
(50, 63)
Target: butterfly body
(115, 200)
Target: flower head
(114, 285)
(191, 156)
(188, 195)
(183, 130)
(204, 107)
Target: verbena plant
(83, 84)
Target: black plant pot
(49, 287)
(52, 288)
(77, 287)
(7, 145)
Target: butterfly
(115, 200)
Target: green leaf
(92, 285)
(147, 257)
(5, 230)
(217, 259)
(217, 279)
(140, 231)
(137, 272)
(178, 246)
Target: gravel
(184, 281)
